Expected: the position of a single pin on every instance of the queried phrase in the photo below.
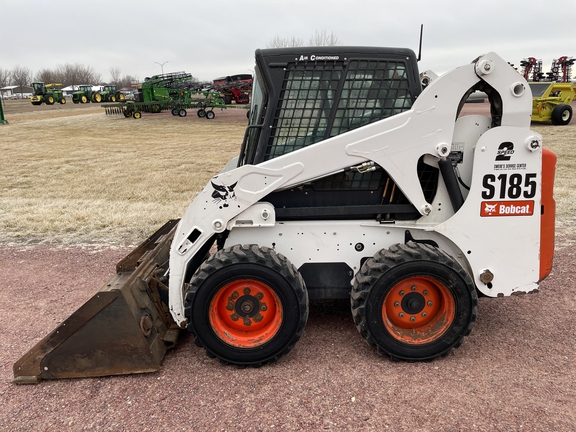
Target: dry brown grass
(75, 176)
(86, 178)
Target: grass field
(76, 176)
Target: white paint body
(507, 246)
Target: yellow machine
(551, 102)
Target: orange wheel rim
(418, 310)
(246, 313)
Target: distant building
(16, 92)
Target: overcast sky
(210, 39)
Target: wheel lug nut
(401, 293)
(429, 303)
(235, 295)
(401, 315)
(396, 304)
(413, 288)
(425, 292)
(424, 314)
(412, 318)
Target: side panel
(498, 227)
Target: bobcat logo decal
(223, 194)
(489, 208)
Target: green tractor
(110, 94)
(85, 94)
(46, 93)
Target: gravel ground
(516, 371)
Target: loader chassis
(352, 182)
(350, 174)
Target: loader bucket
(124, 328)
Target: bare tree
(4, 77)
(75, 74)
(285, 42)
(128, 81)
(21, 76)
(115, 76)
(47, 76)
(322, 38)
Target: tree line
(66, 74)
(75, 74)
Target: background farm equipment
(46, 93)
(552, 92)
(204, 102)
(235, 88)
(86, 94)
(109, 93)
(175, 92)
(551, 102)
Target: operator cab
(302, 96)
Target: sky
(210, 39)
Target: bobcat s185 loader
(351, 182)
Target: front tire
(413, 302)
(247, 305)
(561, 115)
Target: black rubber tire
(239, 263)
(62, 101)
(137, 114)
(49, 100)
(201, 113)
(182, 112)
(210, 115)
(380, 275)
(174, 112)
(561, 115)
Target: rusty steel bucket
(124, 328)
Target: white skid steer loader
(353, 183)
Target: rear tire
(247, 305)
(561, 115)
(413, 302)
(49, 100)
(210, 115)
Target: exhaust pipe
(124, 328)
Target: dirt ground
(515, 372)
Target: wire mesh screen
(318, 100)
